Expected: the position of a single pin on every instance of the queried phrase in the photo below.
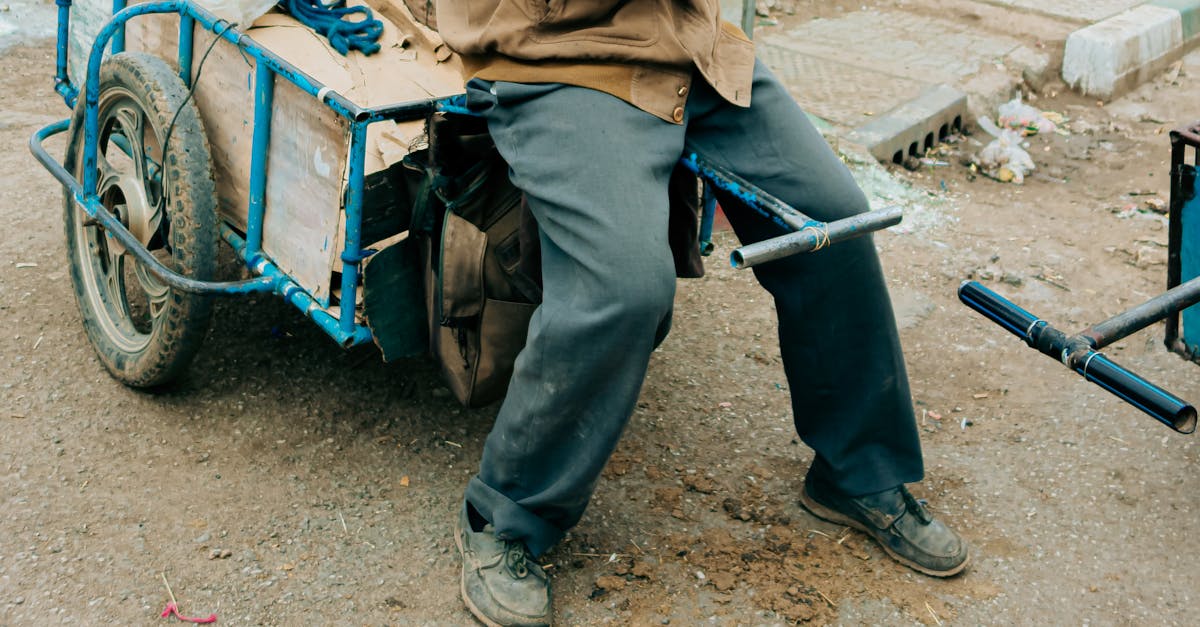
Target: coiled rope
(332, 21)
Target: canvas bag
(478, 298)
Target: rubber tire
(191, 207)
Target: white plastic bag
(240, 12)
(1004, 159)
(1023, 118)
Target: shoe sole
(462, 583)
(834, 516)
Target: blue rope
(330, 20)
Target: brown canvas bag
(479, 301)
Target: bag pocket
(502, 330)
(460, 289)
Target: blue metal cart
(142, 218)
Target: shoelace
(915, 507)
(515, 555)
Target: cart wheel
(144, 332)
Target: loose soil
(286, 481)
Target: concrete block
(914, 126)
(1034, 66)
(1109, 58)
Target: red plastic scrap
(173, 610)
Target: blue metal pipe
(95, 209)
(708, 215)
(68, 92)
(92, 83)
(118, 42)
(352, 254)
(64, 37)
(264, 98)
(768, 206)
(187, 34)
(298, 297)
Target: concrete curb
(1112, 57)
(915, 126)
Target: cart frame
(804, 234)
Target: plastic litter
(1025, 119)
(1004, 159)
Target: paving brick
(916, 47)
(841, 93)
(1109, 58)
(1075, 10)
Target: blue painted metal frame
(341, 327)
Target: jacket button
(677, 114)
(683, 90)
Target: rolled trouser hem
(867, 477)
(510, 520)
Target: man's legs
(595, 171)
(837, 333)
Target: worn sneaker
(502, 584)
(900, 523)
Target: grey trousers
(595, 172)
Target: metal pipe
(260, 143)
(352, 254)
(95, 209)
(62, 48)
(292, 293)
(1076, 353)
(815, 235)
(68, 92)
(766, 205)
(118, 41)
(1133, 320)
(401, 112)
(187, 35)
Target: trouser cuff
(510, 520)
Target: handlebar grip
(815, 236)
(1095, 367)
(997, 309)
(1131, 388)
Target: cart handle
(1076, 353)
(95, 209)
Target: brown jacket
(642, 51)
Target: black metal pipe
(1076, 353)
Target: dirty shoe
(502, 585)
(901, 525)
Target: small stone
(723, 582)
(202, 538)
(610, 582)
(1155, 204)
(18, 600)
